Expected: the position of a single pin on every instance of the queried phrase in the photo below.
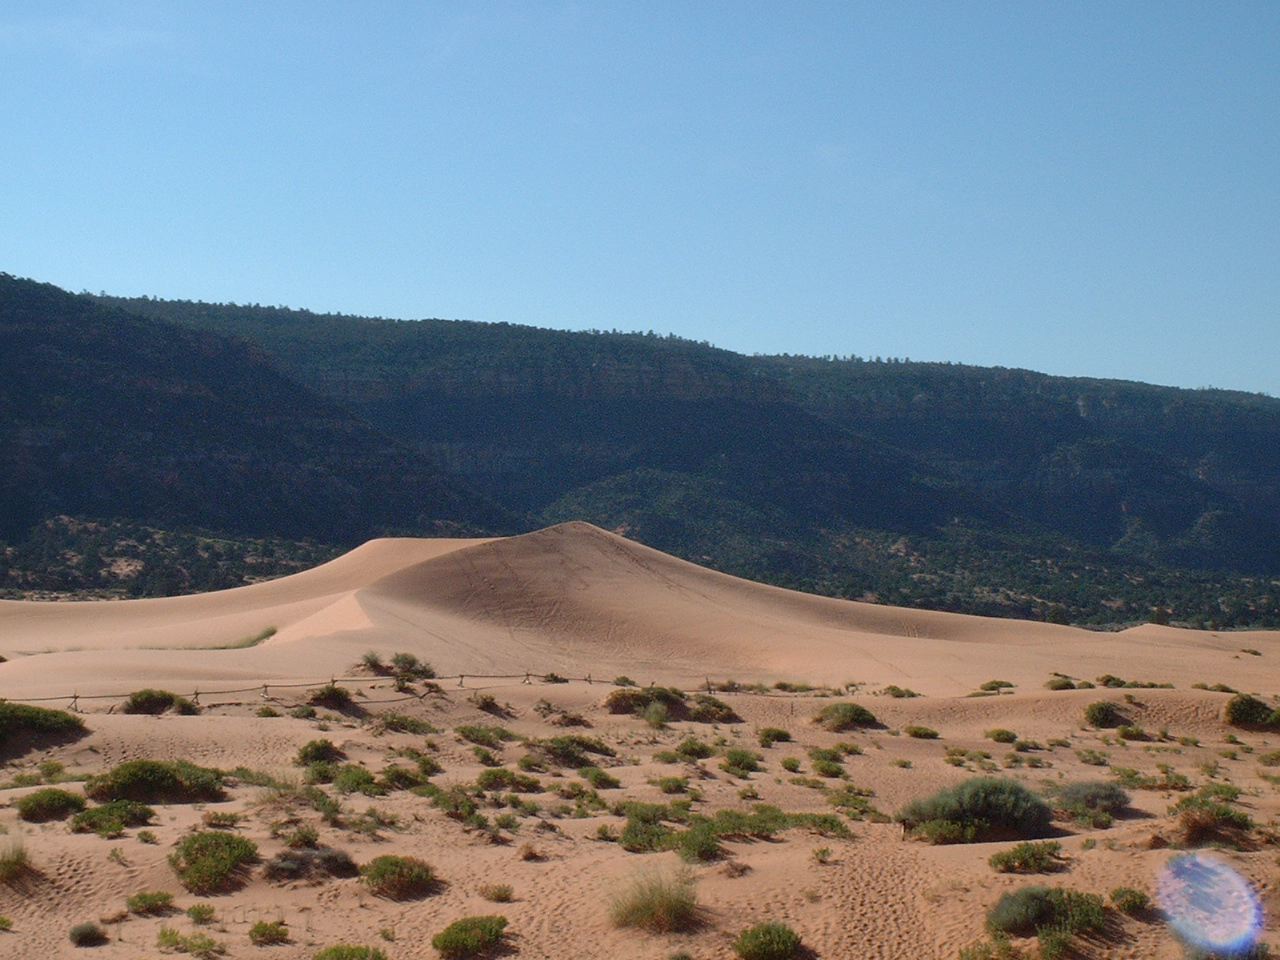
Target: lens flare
(1208, 904)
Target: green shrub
(88, 935)
(343, 951)
(1028, 857)
(1202, 818)
(110, 819)
(317, 751)
(470, 936)
(19, 721)
(920, 733)
(331, 697)
(210, 862)
(845, 716)
(398, 878)
(657, 902)
(771, 735)
(1092, 802)
(154, 781)
(1103, 713)
(899, 693)
(158, 701)
(791, 764)
(264, 933)
(1030, 910)
(599, 779)
(500, 778)
(740, 763)
(991, 807)
(1059, 683)
(1130, 901)
(352, 778)
(1001, 735)
(995, 685)
(409, 667)
(200, 913)
(49, 804)
(637, 699)
(1243, 710)
(150, 903)
(767, 941)
(305, 863)
(14, 861)
(705, 708)
(673, 784)
(491, 735)
(497, 892)
(692, 748)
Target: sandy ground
(579, 601)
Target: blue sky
(1082, 188)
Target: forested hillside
(104, 414)
(990, 490)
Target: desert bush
(989, 807)
(49, 804)
(218, 820)
(899, 693)
(150, 903)
(470, 937)
(1132, 733)
(154, 781)
(1059, 683)
(845, 716)
(1001, 735)
(740, 763)
(1093, 802)
(353, 778)
(111, 819)
(158, 701)
(332, 697)
(317, 751)
(200, 913)
(87, 935)
(673, 784)
(209, 862)
(1028, 857)
(920, 733)
(1202, 819)
(1103, 713)
(1032, 910)
(17, 720)
(398, 878)
(500, 778)
(14, 861)
(572, 750)
(768, 736)
(1243, 710)
(692, 748)
(767, 941)
(491, 736)
(657, 902)
(1130, 901)
(345, 951)
(704, 708)
(267, 933)
(599, 779)
(305, 863)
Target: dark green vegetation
(211, 861)
(767, 941)
(1243, 710)
(1033, 856)
(158, 701)
(111, 819)
(155, 781)
(398, 878)
(1053, 915)
(21, 726)
(470, 937)
(978, 810)
(49, 804)
(982, 490)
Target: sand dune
(577, 600)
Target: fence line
(263, 689)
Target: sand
(581, 602)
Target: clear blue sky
(1085, 188)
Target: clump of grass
(599, 779)
(398, 878)
(491, 736)
(332, 697)
(1130, 901)
(992, 686)
(899, 693)
(155, 702)
(984, 808)
(268, 933)
(150, 903)
(111, 819)
(740, 763)
(200, 913)
(500, 778)
(1001, 735)
(1028, 857)
(87, 935)
(768, 736)
(624, 681)
(408, 667)
(767, 941)
(211, 862)
(1093, 802)
(346, 951)
(308, 862)
(920, 733)
(1037, 911)
(657, 902)
(352, 778)
(154, 781)
(198, 945)
(671, 785)
(497, 892)
(49, 804)
(845, 716)
(14, 861)
(220, 820)
(1060, 683)
(470, 937)
(1203, 819)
